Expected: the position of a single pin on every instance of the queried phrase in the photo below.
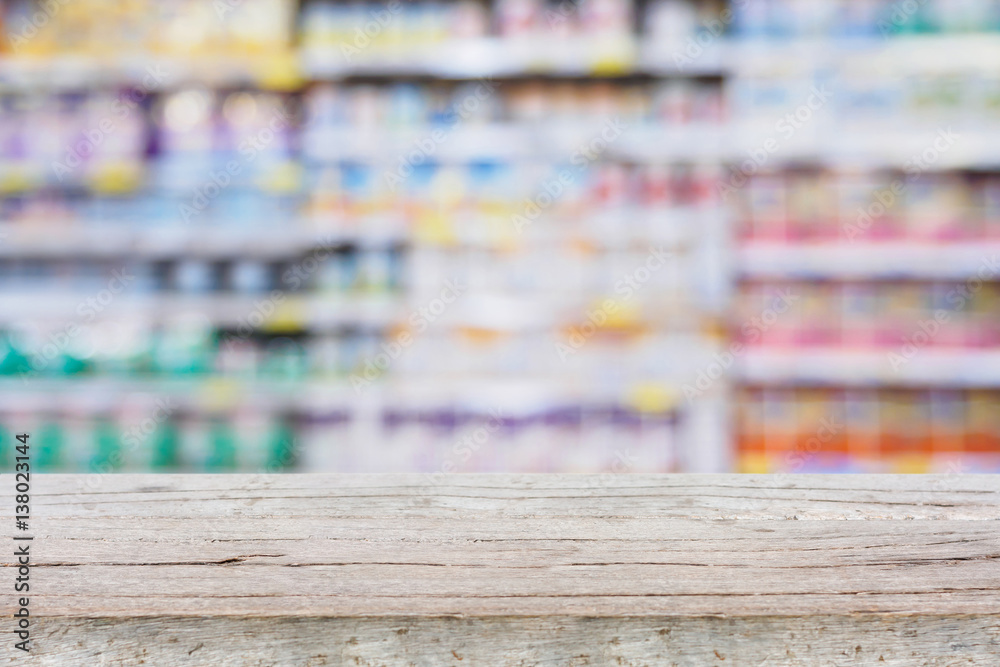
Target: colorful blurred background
(508, 235)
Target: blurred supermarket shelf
(276, 311)
(887, 259)
(874, 55)
(289, 312)
(477, 58)
(147, 72)
(889, 367)
(486, 57)
(494, 57)
(491, 57)
(200, 394)
(366, 130)
(119, 240)
(561, 142)
(520, 395)
(600, 230)
(876, 145)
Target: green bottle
(7, 445)
(282, 452)
(51, 443)
(107, 446)
(166, 446)
(284, 360)
(222, 446)
(182, 352)
(142, 361)
(70, 365)
(923, 22)
(12, 360)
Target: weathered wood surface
(512, 570)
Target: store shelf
(492, 57)
(147, 72)
(880, 144)
(497, 57)
(878, 260)
(844, 367)
(292, 312)
(46, 240)
(899, 145)
(191, 394)
(488, 57)
(513, 396)
(877, 145)
(876, 55)
(385, 109)
(559, 142)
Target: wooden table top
(513, 569)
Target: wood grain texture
(513, 570)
